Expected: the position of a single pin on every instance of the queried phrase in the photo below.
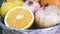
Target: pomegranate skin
(34, 6)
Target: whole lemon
(13, 0)
(0, 10)
(8, 5)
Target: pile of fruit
(22, 14)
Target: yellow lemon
(13, 0)
(8, 5)
(0, 10)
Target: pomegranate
(32, 5)
(47, 16)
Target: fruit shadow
(35, 26)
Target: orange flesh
(21, 22)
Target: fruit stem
(46, 5)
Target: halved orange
(19, 18)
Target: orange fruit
(43, 2)
(19, 18)
(54, 3)
(50, 2)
